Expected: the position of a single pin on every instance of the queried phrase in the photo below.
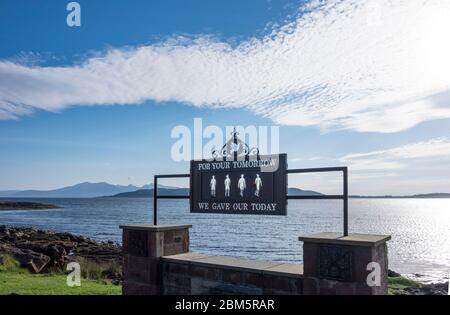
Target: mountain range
(418, 196)
(147, 193)
(83, 190)
(93, 190)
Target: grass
(14, 279)
(95, 271)
(8, 263)
(399, 283)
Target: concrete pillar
(142, 247)
(336, 264)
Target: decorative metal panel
(336, 263)
(234, 147)
(138, 243)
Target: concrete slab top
(290, 270)
(239, 264)
(155, 228)
(352, 239)
(185, 257)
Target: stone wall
(156, 260)
(143, 246)
(200, 274)
(336, 264)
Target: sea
(420, 228)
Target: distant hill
(431, 195)
(7, 193)
(92, 190)
(148, 193)
(300, 192)
(14, 205)
(83, 190)
(150, 186)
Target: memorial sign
(238, 180)
(250, 185)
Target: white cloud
(361, 65)
(433, 148)
(437, 149)
(431, 151)
(417, 168)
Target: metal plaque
(336, 262)
(253, 184)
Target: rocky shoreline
(406, 286)
(425, 289)
(40, 251)
(24, 205)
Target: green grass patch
(14, 279)
(97, 271)
(50, 284)
(9, 263)
(399, 283)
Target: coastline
(8, 205)
(42, 250)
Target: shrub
(8, 263)
(96, 271)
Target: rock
(437, 288)
(35, 262)
(22, 205)
(57, 254)
(392, 273)
(115, 282)
(39, 250)
(425, 289)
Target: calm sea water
(420, 228)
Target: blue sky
(98, 102)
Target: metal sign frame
(343, 197)
(235, 148)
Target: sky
(363, 84)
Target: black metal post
(155, 200)
(344, 195)
(345, 173)
(156, 197)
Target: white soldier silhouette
(212, 184)
(242, 185)
(258, 184)
(227, 186)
